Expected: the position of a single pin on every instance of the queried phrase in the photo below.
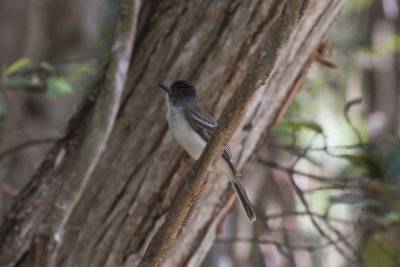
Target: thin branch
(267, 241)
(300, 194)
(303, 213)
(101, 122)
(84, 142)
(319, 149)
(14, 149)
(319, 229)
(315, 223)
(308, 248)
(288, 14)
(345, 241)
(346, 116)
(289, 170)
(304, 152)
(331, 187)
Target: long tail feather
(244, 200)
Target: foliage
(375, 188)
(23, 62)
(43, 79)
(379, 250)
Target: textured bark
(283, 19)
(211, 43)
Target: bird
(192, 128)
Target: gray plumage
(192, 127)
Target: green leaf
(298, 123)
(23, 62)
(300, 153)
(358, 160)
(283, 131)
(379, 250)
(84, 69)
(362, 161)
(392, 218)
(57, 85)
(47, 66)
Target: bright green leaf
(84, 69)
(57, 85)
(23, 62)
(47, 66)
(298, 123)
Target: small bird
(192, 127)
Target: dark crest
(182, 88)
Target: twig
(310, 248)
(101, 122)
(266, 241)
(84, 142)
(303, 213)
(321, 178)
(345, 241)
(315, 223)
(322, 149)
(288, 14)
(311, 215)
(300, 194)
(304, 152)
(346, 115)
(331, 187)
(26, 144)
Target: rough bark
(126, 197)
(283, 20)
(40, 30)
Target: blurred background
(335, 155)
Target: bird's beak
(165, 87)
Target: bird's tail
(244, 200)
(227, 167)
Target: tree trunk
(108, 217)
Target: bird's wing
(200, 121)
(204, 124)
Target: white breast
(191, 142)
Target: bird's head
(180, 92)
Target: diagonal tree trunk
(78, 211)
